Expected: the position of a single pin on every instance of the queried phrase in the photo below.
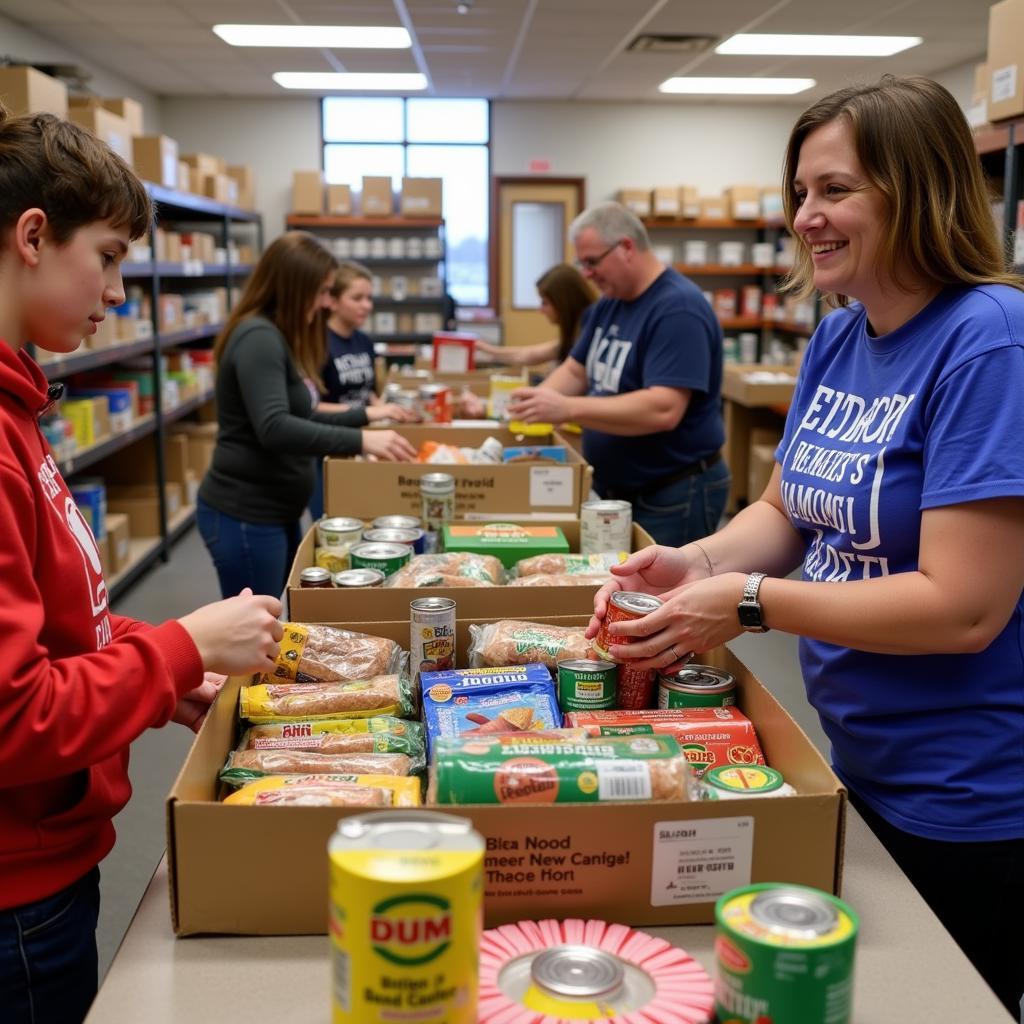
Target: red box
(454, 352)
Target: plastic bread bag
(382, 734)
(547, 768)
(511, 642)
(244, 766)
(328, 791)
(559, 579)
(422, 570)
(325, 654)
(597, 564)
(294, 702)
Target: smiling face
(841, 216)
(354, 304)
(70, 287)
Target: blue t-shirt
(348, 373)
(667, 337)
(881, 429)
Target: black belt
(690, 469)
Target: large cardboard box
(744, 202)
(309, 604)
(155, 158)
(752, 384)
(130, 110)
(119, 537)
(204, 163)
(376, 199)
(24, 90)
(666, 201)
(339, 200)
(105, 125)
(421, 197)
(245, 179)
(636, 200)
(307, 192)
(631, 862)
(140, 503)
(1006, 59)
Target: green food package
(509, 542)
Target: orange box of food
(708, 736)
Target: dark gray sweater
(268, 435)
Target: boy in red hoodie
(78, 684)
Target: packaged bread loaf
(382, 734)
(511, 642)
(559, 579)
(276, 702)
(328, 791)
(597, 564)
(441, 569)
(244, 766)
(553, 768)
(325, 654)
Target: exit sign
(540, 166)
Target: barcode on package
(625, 780)
(342, 980)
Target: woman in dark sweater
(269, 358)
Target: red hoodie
(77, 684)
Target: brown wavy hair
(347, 274)
(282, 288)
(916, 149)
(571, 294)
(69, 174)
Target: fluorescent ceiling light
(326, 37)
(737, 86)
(817, 46)
(369, 81)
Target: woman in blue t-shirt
(900, 482)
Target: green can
(785, 956)
(388, 558)
(585, 685)
(696, 686)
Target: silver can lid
(631, 601)
(358, 578)
(432, 604)
(387, 535)
(437, 482)
(587, 665)
(795, 913)
(700, 677)
(433, 389)
(340, 524)
(380, 550)
(400, 830)
(577, 972)
(607, 506)
(396, 523)
(314, 573)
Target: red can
(436, 403)
(635, 690)
(622, 606)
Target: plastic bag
(511, 642)
(244, 766)
(447, 569)
(381, 734)
(328, 791)
(597, 564)
(295, 702)
(325, 654)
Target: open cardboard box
(264, 870)
(738, 386)
(385, 604)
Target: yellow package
(281, 702)
(329, 791)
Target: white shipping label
(551, 485)
(698, 861)
(1004, 83)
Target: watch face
(750, 614)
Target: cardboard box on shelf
(665, 201)
(104, 124)
(205, 163)
(376, 198)
(689, 201)
(103, 547)
(129, 109)
(1006, 60)
(24, 90)
(714, 208)
(309, 604)
(220, 188)
(140, 503)
(184, 182)
(636, 200)
(772, 207)
(620, 861)
(308, 192)
(339, 200)
(202, 438)
(245, 180)
(744, 202)
(421, 197)
(155, 158)
(119, 537)
(752, 384)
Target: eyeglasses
(591, 262)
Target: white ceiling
(501, 49)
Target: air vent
(662, 43)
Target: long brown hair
(282, 288)
(570, 294)
(916, 148)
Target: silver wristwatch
(749, 608)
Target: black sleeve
(261, 365)
(355, 417)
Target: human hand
(387, 445)
(651, 570)
(539, 405)
(694, 618)
(191, 710)
(238, 635)
(470, 406)
(391, 411)
(486, 348)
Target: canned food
(414, 538)
(436, 402)
(389, 558)
(358, 578)
(784, 953)
(733, 781)
(696, 686)
(438, 496)
(332, 559)
(405, 918)
(432, 634)
(606, 526)
(337, 531)
(635, 689)
(407, 399)
(585, 685)
(314, 576)
(396, 523)
(623, 605)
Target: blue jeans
(316, 503)
(685, 510)
(256, 555)
(48, 962)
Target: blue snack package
(516, 698)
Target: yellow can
(405, 918)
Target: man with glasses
(644, 381)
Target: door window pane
(363, 119)
(537, 245)
(466, 204)
(346, 164)
(447, 120)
